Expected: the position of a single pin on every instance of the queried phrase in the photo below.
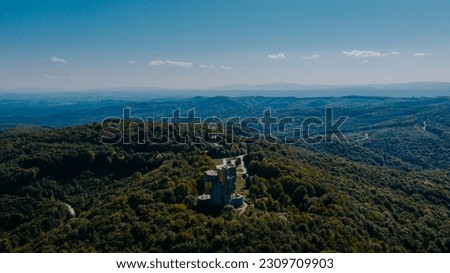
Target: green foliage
(142, 198)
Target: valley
(385, 190)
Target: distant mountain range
(293, 87)
(415, 89)
(280, 89)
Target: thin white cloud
(54, 77)
(57, 60)
(157, 63)
(314, 56)
(131, 62)
(419, 54)
(368, 53)
(179, 64)
(361, 53)
(171, 63)
(207, 66)
(279, 56)
(364, 61)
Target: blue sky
(197, 44)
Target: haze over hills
(386, 190)
(293, 86)
(279, 89)
(65, 109)
(414, 89)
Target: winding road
(70, 209)
(425, 126)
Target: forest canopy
(142, 198)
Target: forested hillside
(142, 198)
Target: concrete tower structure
(220, 185)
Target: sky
(206, 43)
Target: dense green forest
(142, 197)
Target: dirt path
(366, 136)
(70, 209)
(244, 170)
(243, 208)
